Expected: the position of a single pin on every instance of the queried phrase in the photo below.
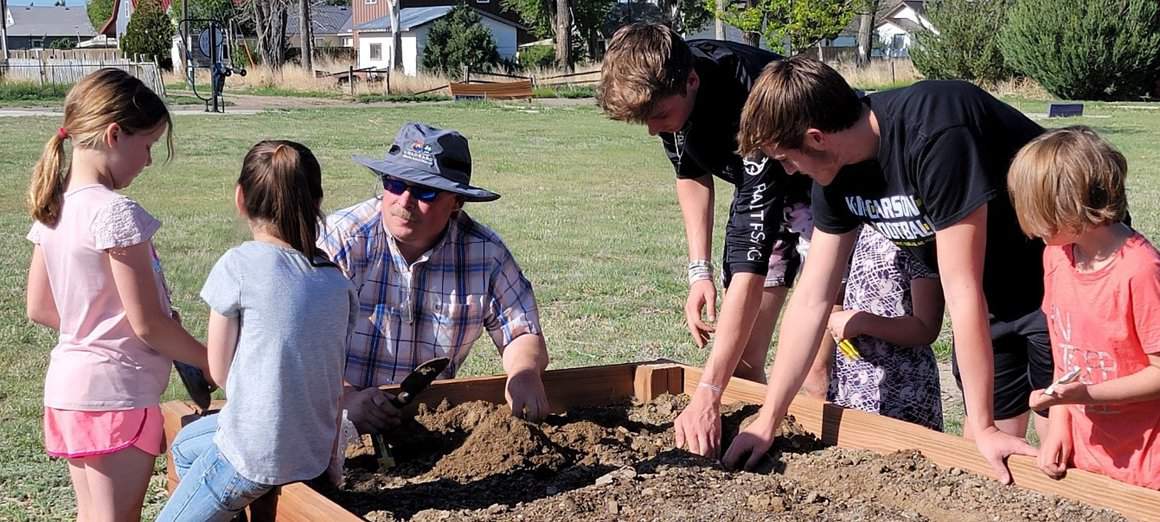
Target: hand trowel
(412, 385)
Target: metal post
(216, 83)
(350, 78)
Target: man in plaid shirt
(430, 279)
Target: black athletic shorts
(1022, 363)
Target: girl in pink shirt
(1102, 301)
(95, 278)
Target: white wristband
(699, 270)
(712, 387)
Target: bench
(1064, 110)
(492, 91)
(364, 74)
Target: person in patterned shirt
(430, 279)
(893, 310)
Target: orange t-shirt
(1105, 322)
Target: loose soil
(476, 462)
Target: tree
(99, 12)
(867, 10)
(564, 35)
(801, 22)
(459, 39)
(305, 32)
(396, 35)
(149, 33)
(588, 25)
(210, 9)
(686, 16)
(966, 44)
(269, 21)
(1085, 49)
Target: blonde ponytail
(49, 178)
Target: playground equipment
(211, 50)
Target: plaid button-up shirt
(435, 307)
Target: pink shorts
(75, 434)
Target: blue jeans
(210, 488)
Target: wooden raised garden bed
(602, 385)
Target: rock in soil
(477, 462)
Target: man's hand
(526, 396)
(996, 446)
(698, 427)
(370, 410)
(1055, 452)
(1072, 393)
(845, 324)
(752, 443)
(702, 300)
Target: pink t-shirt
(1105, 322)
(98, 363)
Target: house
(37, 27)
(895, 24)
(330, 26)
(372, 31)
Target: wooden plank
(653, 380)
(856, 429)
(498, 90)
(298, 502)
(567, 388)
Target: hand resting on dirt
(698, 427)
(752, 443)
(525, 395)
(996, 447)
(524, 360)
(370, 410)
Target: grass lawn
(588, 210)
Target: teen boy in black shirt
(925, 165)
(691, 94)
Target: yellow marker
(848, 349)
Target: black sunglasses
(419, 192)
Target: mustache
(403, 213)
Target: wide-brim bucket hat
(436, 158)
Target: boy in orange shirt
(1102, 300)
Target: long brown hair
(281, 185)
(100, 99)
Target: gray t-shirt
(280, 422)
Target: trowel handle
(401, 400)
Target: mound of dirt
(477, 462)
(499, 444)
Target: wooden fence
(89, 55)
(60, 71)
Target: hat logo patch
(420, 152)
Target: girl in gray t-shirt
(281, 316)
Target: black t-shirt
(708, 145)
(944, 150)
